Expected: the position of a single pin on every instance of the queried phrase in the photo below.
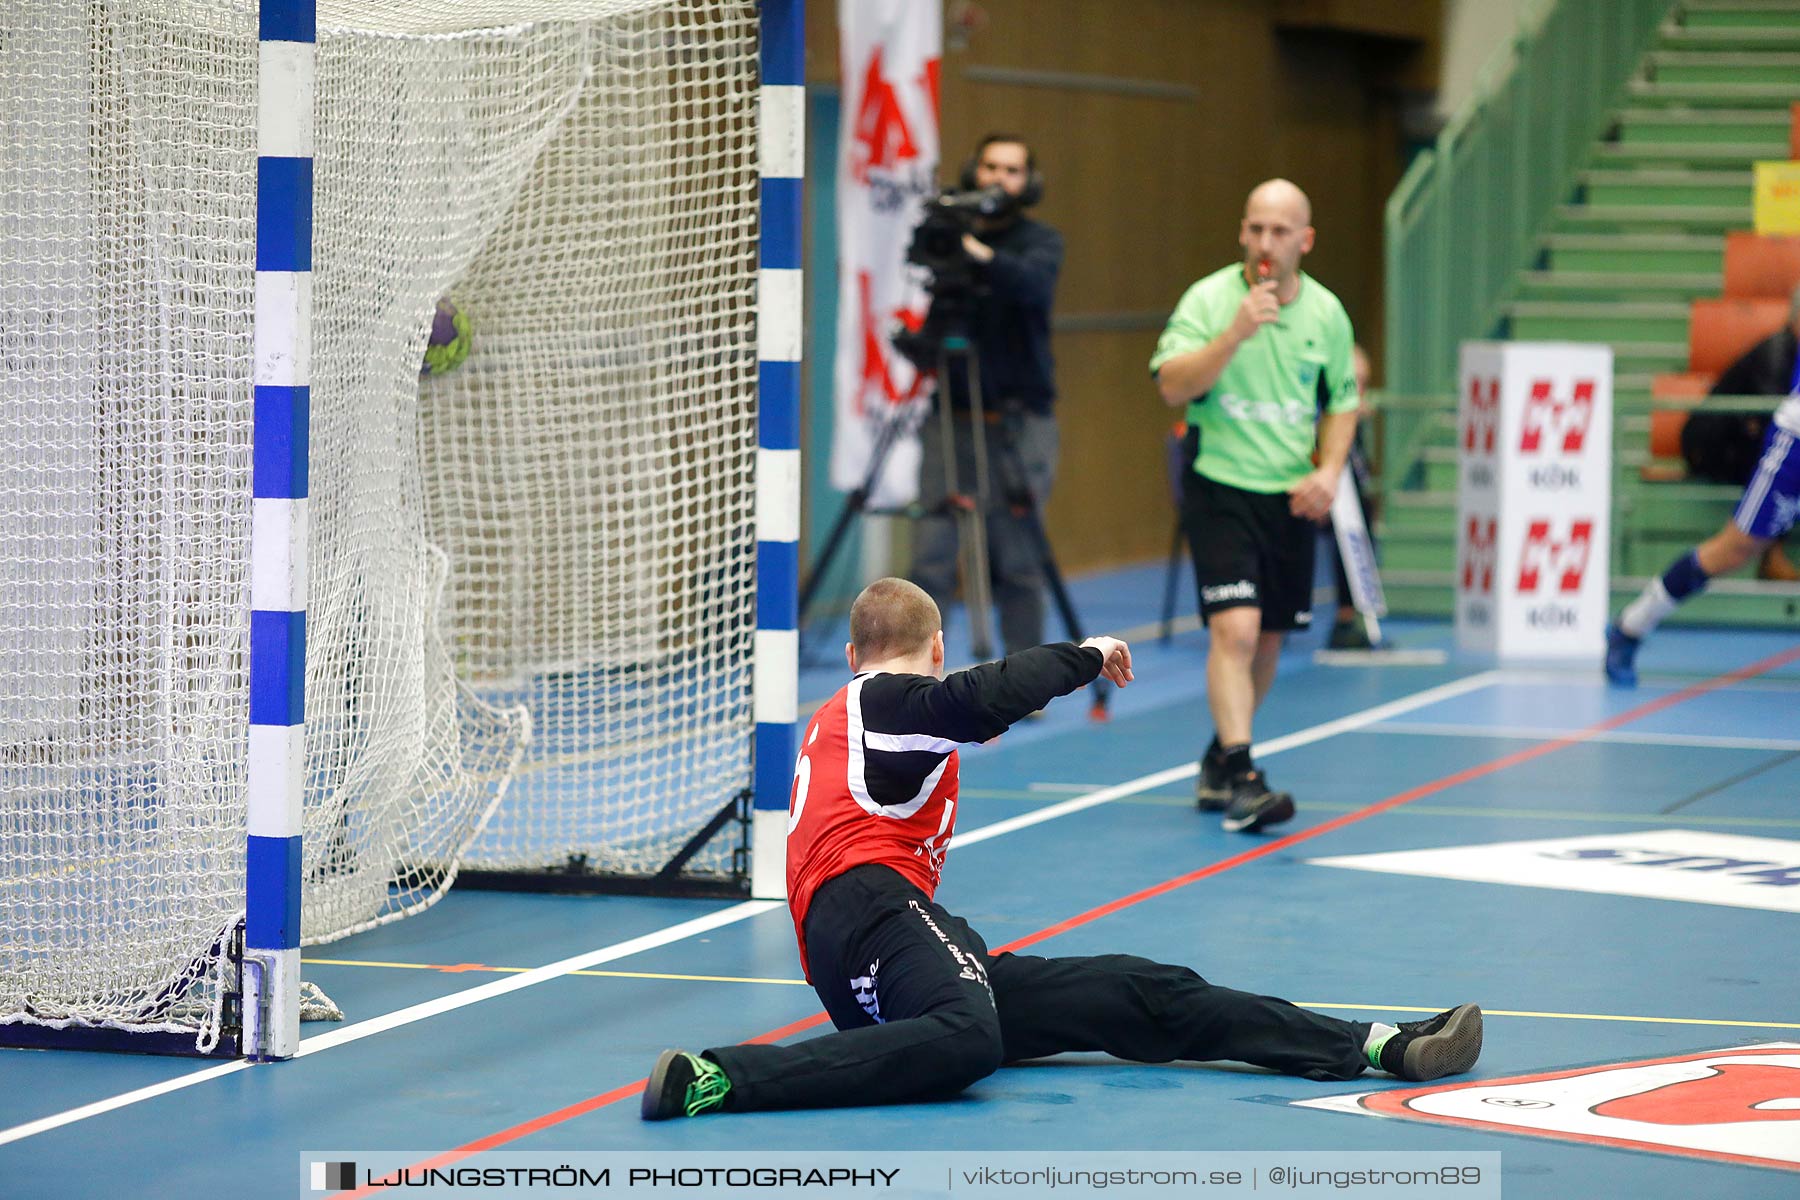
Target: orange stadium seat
(1674, 390)
(1719, 330)
(1761, 265)
(1665, 432)
(1677, 392)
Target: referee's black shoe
(1212, 791)
(1253, 806)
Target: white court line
(1273, 746)
(735, 913)
(1612, 735)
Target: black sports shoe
(1447, 1044)
(1212, 791)
(683, 1085)
(1349, 635)
(1253, 806)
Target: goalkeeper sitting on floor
(922, 1008)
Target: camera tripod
(968, 510)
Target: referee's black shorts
(1249, 551)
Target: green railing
(1465, 217)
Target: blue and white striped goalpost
(288, 34)
(775, 684)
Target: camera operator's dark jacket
(1011, 324)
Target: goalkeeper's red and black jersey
(876, 778)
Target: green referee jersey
(1257, 424)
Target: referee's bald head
(1283, 196)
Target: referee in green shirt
(1260, 353)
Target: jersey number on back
(802, 780)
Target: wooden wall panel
(1152, 119)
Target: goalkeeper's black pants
(922, 1011)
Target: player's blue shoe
(1621, 657)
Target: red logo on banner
(1564, 560)
(1569, 419)
(881, 135)
(1729, 1093)
(876, 379)
(1481, 419)
(1478, 555)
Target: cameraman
(1010, 275)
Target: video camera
(937, 245)
(937, 242)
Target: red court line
(1535, 751)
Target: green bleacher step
(1653, 218)
(1674, 504)
(1692, 252)
(1651, 357)
(1707, 67)
(1711, 126)
(1685, 154)
(1419, 512)
(1440, 468)
(1667, 186)
(1650, 553)
(1772, 36)
(1419, 593)
(1635, 402)
(1712, 95)
(1618, 285)
(1555, 321)
(1739, 14)
(1441, 428)
(1414, 550)
(1670, 528)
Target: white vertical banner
(1534, 499)
(886, 169)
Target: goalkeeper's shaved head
(892, 618)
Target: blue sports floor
(1663, 923)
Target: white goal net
(531, 601)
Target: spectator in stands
(1769, 507)
(1348, 631)
(1259, 354)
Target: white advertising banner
(1534, 499)
(887, 167)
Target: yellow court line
(1396, 1008)
(1560, 1016)
(478, 968)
